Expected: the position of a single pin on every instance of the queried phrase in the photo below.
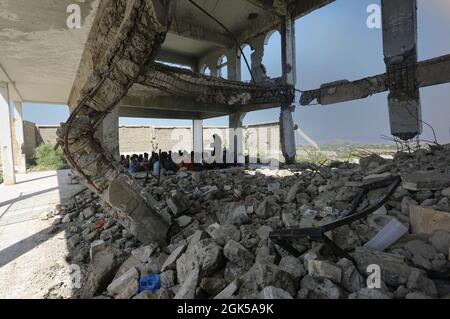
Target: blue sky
(334, 43)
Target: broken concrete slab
(189, 286)
(422, 253)
(319, 288)
(352, 280)
(393, 267)
(419, 282)
(230, 290)
(441, 241)
(171, 262)
(184, 221)
(213, 286)
(426, 181)
(263, 275)
(96, 247)
(126, 286)
(238, 254)
(325, 269)
(178, 204)
(292, 266)
(222, 234)
(427, 220)
(205, 255)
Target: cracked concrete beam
(173, 103)
(126, 35)
(429, 72)
(434, 71)
(400, 56)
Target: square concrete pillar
(19, 143)
(236, 139)
(108, 133)
(198, 140)
(6, 142)
(236, 130)
(287, 127)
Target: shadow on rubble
(220, 241)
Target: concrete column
(6, 142)
(110, 129)
(236, 139)
(400, 55)
(287, 127)
(21, 162)
(198, 140)
(258, 69)
(236, 131)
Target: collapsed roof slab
(40, 55)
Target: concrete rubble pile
(219, 246)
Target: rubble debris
(219, 246)
(426, 181)
(395, 268)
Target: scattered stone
(273, 187)
(168, 279)
(292, 193)
(178, 204)
(416, 295)
(88, 212)
(274, 293)
(319, 288)
(171, 262)
(441, 241)
(189, 286)
(183, 221)
(417, 281)
(213, 286)
(222, 234)
(96, 246)
(66, 219)
(205, 255)
(263, 275)
(426, 181)
(126, 286)
(422, 253)
(324, 269)
(238, 254)
(292, 266)
(229, 291)
(145, 295)
(394, 267)
(352, 280)
(238, 216)
(368, 293)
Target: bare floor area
(32, 253)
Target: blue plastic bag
(150, 283)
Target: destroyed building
(302, 231)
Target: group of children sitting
(152, 164)
(143, 163)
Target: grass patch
(46, 158)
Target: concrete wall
(141, 139)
